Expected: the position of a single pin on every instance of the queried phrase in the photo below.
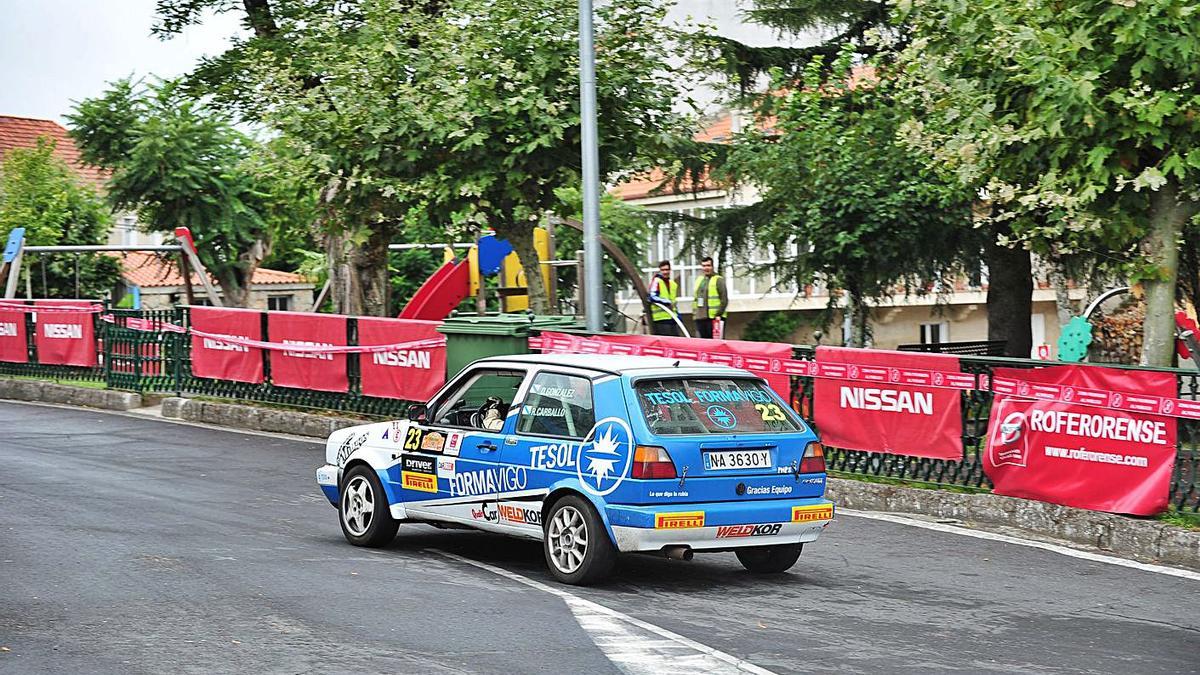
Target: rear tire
(576, 543)
(769, 559)
(363, 509)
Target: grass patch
(86, 384)
(903, 482)
(1185, 519)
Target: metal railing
(161, 361)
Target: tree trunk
(1010, 296)
(858, 323)
(1062, 297)
(358, 273)
(1161, 250)
(520, 235)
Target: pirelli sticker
(812, 514)
(422, 482)
(679, 521)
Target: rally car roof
(618, 364)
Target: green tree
(42, 194)
(462, 113)
(843, 201)
(1081, 119)
(180, 163)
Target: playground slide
(440, 293)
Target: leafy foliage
(843, 201)
(42, 194)
(180, 163)
(1081, 119)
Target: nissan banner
(218, 359)
(410, 374)
(67, 337)
(875, 409)
(1086, 456)
(13, 347)
(308, 369)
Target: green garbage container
(469, 338)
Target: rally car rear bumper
(719, 525)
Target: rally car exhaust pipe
(678, 552)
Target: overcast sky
(54, 52)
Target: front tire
(363, 509)
(769, 559)
(577, 547)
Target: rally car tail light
(652, 462)
(814, 459)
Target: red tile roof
(23, 132)
(651, 184)
(149, 270)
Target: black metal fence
(159, 360)
(976, 406)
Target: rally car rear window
(711, 406)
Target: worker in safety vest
(663, 291)
(711, 300)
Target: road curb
(1145, 540)
(44, 391)
(254, 418)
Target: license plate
(737, 459)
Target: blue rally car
(592, 455)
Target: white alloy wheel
(568, 536)
(358, 505)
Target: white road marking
(1007, 539)
(624, 639)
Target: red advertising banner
(889, 414)
(65, 337)
(1085, 456)
(13, 347)
(410, 374)
(306, 369)
(212, 357)
(761, 358)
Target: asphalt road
(141, 546)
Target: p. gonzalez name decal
(679, 521)
(813, 513)
(887, 400)
(736, 531)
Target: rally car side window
(486, 394)
(558, 405)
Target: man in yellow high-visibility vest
(663, 292)
(711, 299)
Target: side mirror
(418, 412)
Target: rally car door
(556, 414)
(468, 477)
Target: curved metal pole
(623, 262)
(1101, 298)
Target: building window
(279, 303)
(933, 333)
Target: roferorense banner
(308, 370)
(65, 338)
(888, 416)
(13, 345)
(221, 360)
(762, 358)
(411, 374)
(1080, 455)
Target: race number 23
(413, 440)
(770, 412)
